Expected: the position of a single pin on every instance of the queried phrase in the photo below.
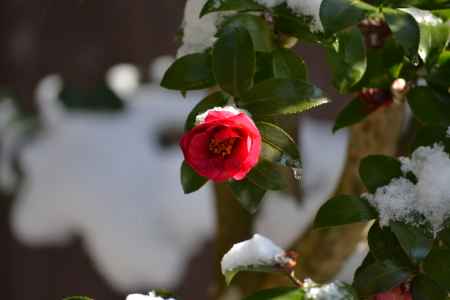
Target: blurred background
(91, 202)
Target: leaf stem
(294, 279)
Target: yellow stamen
(223, 148)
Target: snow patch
(258, 251)
(202, 117)
(198, 33)
(331, 291)
(150, 296)
(424, 203)
(310, 8)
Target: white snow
(309, 8)
(427, 202)
(198, 33)
(448, 132)
(422, 16)
(258, 251)
(331, 291)
(231, 109)
(150, 296)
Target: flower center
(223, 148)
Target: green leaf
(384, 245)
(99, 98)
(379, 277)
(267, 176)
(234, 61)
(384, 65)
(424, 288)
(348, 59)
(248, 194)
(283, 293)
(211, 101)
(436, 266)
(430, 107)
(337, 15)
(433, 40)
(286, 64)
(78, 298)
(378, 170)
(290, 24)
(430, 135)
(440, 73)
(342, 210)
(230, 5)
(275, 137)
(190, 180)
(415, 242)
(356, 111)
(190, 72)
(405, 29)
(260, 32)
(281, 96)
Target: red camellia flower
(224, 144)
(398, 293)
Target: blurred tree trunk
(323, 252)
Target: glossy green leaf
(405, 29)
(348, 59)
(437, 267)
(415, 241)
(342, 210)
(430, 107)
(384, 245)
(378, 170)
(291, 24)
(190, 180)
(286, 64)
(277, 138)
(230, 5)
(424, 288)
(211, 101)
(190, 72)
(78, 298)
(283, 293)
(234, 61)
(440, 73)
(337, 15)
(379, 277)
(384, 65)
(430, 135)
(259, 30)
(433, 40)
(356, 111)
(267, 176)
(282, 96)
(248, 194)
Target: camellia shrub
(384, 53)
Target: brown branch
(323, 252)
